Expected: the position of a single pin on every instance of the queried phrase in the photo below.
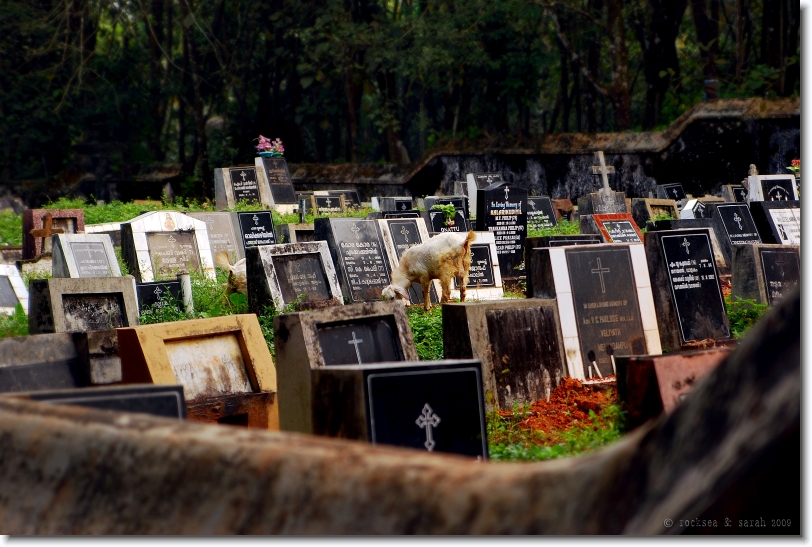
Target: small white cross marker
(158, 291)
(506, 193)
(428, 420)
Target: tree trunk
(619, 90)
(706, 21)
(592, 67)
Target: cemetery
(417, 306)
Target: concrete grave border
(17, 284)
(60, 242)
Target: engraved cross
(255, 218)
(405, 233)
(738, 220)
(685, 244)
(506, 193)
(600, 270)
(355, 229)
(428, 420)
(243, 175)
(354, 342)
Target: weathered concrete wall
(732, 450)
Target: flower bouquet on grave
(449, 213)
(795, 167)
(270, 149)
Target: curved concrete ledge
(731, 450)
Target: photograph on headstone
(358, 254)
(235, 184)
(502, 210)
(434, 406)
(280, 274)
(222, 235)
(485, 273)
(40, 224)
(604, 300)
(540, 213)
(765, 273)
(12, 289)
(84, 255)
(399, 235)
(275, 171)
(341, 335)
(254, 228)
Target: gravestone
(223, 364)
(351, 198)
(552, 241)
(165, 401)
(398, 236)
(278, 274)
(613, 228)
(81, 304)
(222, 234)
(604, 200)
(235, 184)
(254, 228)
(161, 244)
(434, 406)
(540, 213)
(518, 341)
(436, 221)
(282, 194)
(693, 209)
(359, 334)
(604, 300)
(772, 188)
(734, 225)
(476, 182)
(733, 193)
(391, 203)
(672, 191)
(61, 360)
(765, 273)
(84, 255)
(646, 209)
(414, 213)
(721, 253)
(502, 210)
(295, 233)
(485, 273)
(40, 224)
(154, 295)
(329, 203)
(112, 229)
(12, 289)
(357, 251)
(778, 221)
(685, 283)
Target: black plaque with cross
(302, 273)
(782, 273)
(694, 285)
(671, 191)
(351, 198)
(359, 342)
(540, 213)
(483, 180)
(157, 294)
(607, 312)
(276, 170)
(357, 251)
(405, 235)
(328, 204)
(480, 274)
(244, 185)
(256, 228)
(438, 222)
(779, 189)
(740, 194)
(502, 210)
(738, 224)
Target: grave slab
(351, 198)
(398, 236)
(295, 233)
(112, 229)
(777, 221)
(159, 245)
(276, 173)
(721, 253)
(358, 254)
(40, 224)
(223, 364)
(734, 225)
(434, 406)
(765, 273)
(649, 385)
(403, 203)
(235, 184)
(278, 274)
(329, 203)
(540, 213)
(485, 273)
(222, 235)
(502, 210)
(164, 401)
(613, 228)
(81, 304)
(734, 193)
(254, 228)
(672, 191)
(551, 241)
(84, 255)
(772, 188)
(12, 289)
(518, 342)
(685, 284)
(604, 300)
(154, 294)
(358, 334)
(646, 209)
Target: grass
(564, 227)
(743, 314)
(15, 324)
(427, 329)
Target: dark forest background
(195, 81)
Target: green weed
(15, 324)
(11, 228)
(743, 314)
(427, 329)
(564, 227)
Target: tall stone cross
(604, 171)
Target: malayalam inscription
(257, 228)
(480, 274)
(621, 232)
(301, 274)
(738, 224)
(782, 273)
(91, 259)
(244, 184)
(172, 253)
(361, 256)
(787, 224)
(505, 215)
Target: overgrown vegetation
(427, 329)
(15, 324)
(564, 227)
(743, 314)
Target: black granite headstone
(606, 309)
(671, 191)
(157, 400)
(480, 274)
(483, 180)
(777, 221)
(363, 341)
(91, 259)
(8, 298)
(737, 223)
(244, 184)
(172, 253)
(781, 189)
(351, 198)
(438, 223)
(502, 209)
(328, 204)
(782, 273)
(564, 240)
(694, 286)
(540, 213)
(740, 194)
(155, 295)
(256, 228)
(413, 213)
(302, 274)
(405, 234)
(276, 170)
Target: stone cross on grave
(354, 342)
(405, 233)
(428, 420)
(47, 231)
(604, 171)
(600, 270)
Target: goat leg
(426, 286)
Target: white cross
(533, 205)
(603, 170)
(506, 193)
(329, 201)
(354, 342)
(685, 244)
(427, 420)
(738, 220)
(405, 233)
(355, 229)
(172, 238)
(675, 192)
(243, 175)
(255, 218)
(600, 271)
(158, 291)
